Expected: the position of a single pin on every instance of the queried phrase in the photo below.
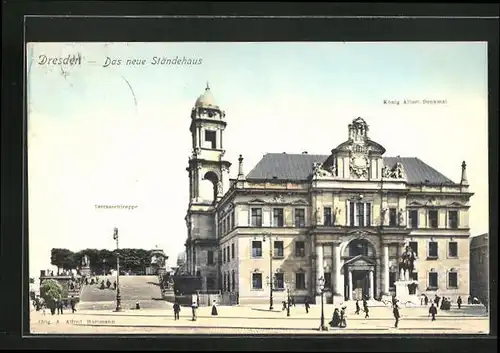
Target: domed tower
(208, 181)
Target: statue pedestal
(403, 292)
(85, 271)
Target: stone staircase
(143, 289)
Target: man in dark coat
(459, 301)
(433, 312)
(73, 304)
(307, 306)
(177, 310)
(365, 308)
(395, 311)
(358, 309)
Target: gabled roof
(298, 167)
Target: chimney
(240, 168)
(463, 180)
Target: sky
(120, 134)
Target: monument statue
(407, 264)
(85, 261)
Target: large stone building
(341, 218)
(479, 267)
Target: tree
(51, 291)
(61, 258)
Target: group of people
(339, 318)
(365, 308)
(57, 306)
(107, 284)
(194, 309)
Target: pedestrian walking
(307, 306)
(283, 307)
(365, 308)
(395, 311)
(73, 304)
(177, 310)
(459, 301)
(433, 312)
(193, 311)
(343, 322)
(60, 307)
(426, 300)
(293, 301)
(358, 309)
(214, 309)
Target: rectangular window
(433, 218)
(360, 215)
(368, 222)
(413, 219)
(453, 219)
(277, 217)
(257, 280)
(279, 281)
(210, 257)
(256, 220)
(210, 137)
(327, 216)
(392, 280)
(232, 251)
(224, 255)
(300, 217)
(232, 220)
(452, 280)
(228, 282)
(414, 246)
(433, 250)
(300, 281)
(433, 280)
(278, 250)
(452, 249)
(393, 217)
(227, 250)
(328, 281)
(351, 214)
(233, 280)
(300, 249)
(256, 248)
(224, 285)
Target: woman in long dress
(214, 309)
(335, 319)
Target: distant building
(344, 218)
(479, 267)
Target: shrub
(51, 291)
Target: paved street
(257, 319)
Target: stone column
(337, 267)
(386, 268)
(350, 285)
(319, 266)
(372, 288)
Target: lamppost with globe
(288, 285)
(118, 297)
(322, 326)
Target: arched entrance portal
(359, 270)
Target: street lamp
(322, 326)
(271, 276)
(118, 297)
(287, 283)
